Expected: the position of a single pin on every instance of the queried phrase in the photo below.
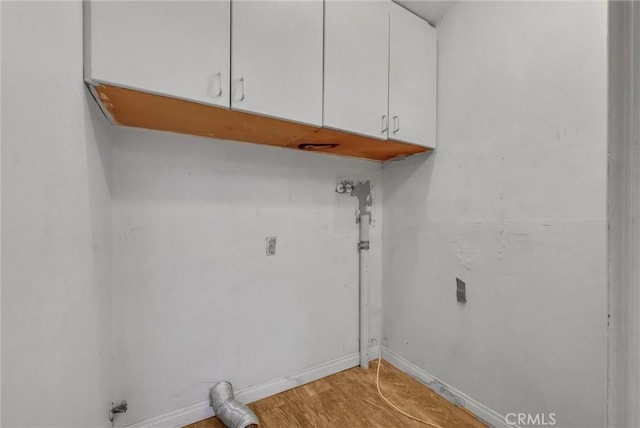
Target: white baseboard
(487, 415)
(178, 418)
(203, 410)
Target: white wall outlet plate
(271, 245)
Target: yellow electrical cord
(431, 424)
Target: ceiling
(432, 11)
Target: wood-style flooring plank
(350, 399)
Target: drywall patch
(362, 191)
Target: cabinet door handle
(218, 75)
(241, 81)
(396, 124)
(385, 124)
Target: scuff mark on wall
(466, 246)
(467, 260)
(444, 392)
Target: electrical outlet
(271, 245)
(461, 290)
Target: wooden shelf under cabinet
(144, 110)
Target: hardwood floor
(350, 399)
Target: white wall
(55, 225)
(513, 202)
(196, 300)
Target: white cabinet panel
(356, 66)
(276, 59)
(175, 48)
(412, 79)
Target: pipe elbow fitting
(229, 410)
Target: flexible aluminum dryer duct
(229, 410)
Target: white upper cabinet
(276, 57)
(412, 79)
(174, 48)
(367, 67)
(356, 72)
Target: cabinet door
(356, 78)
(412, 80)
(276, 58)
(175, 48)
